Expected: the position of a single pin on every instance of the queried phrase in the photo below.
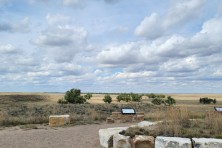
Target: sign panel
(128, 111)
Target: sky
(143, 46)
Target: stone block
(140, 141)
(172, 142)
(59, 120)
(207, 143)
(109, 120)
(121, 141)
(105, 134)
(115, 115)
(127, 118)
(145, 123)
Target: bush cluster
(169, 101)
(207, 100)
(152, 96)
(129, 97)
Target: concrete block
(207, 143)
(58, 120)
(105, 134)
(120, 141)
(172, 142)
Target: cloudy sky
(160, 46)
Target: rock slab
(59, 120)
(172, 142)
(207, 143)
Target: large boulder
(207, 143)
(121, 141)
(140, 141)
(105, 134)
(172, 142)
(59, 120)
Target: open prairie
(189, 99)
(26, 112)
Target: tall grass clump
(179, 121)
(213, 122)
(174, 121)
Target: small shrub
(136, 97)
(157, 101)
(62, 101)
(152, 96)
(170, 101)
(107, 99)
(207, 100)
(88, 96)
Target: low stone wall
(165, 142)
(140, 141)
(118, 117)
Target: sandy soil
(81, 136)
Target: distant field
(189, 99)
(32, 108)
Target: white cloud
(210, 33)
(63, 42)
(182, 11)
(7, 49)
(17, 26)
(218, 73)
(150, 27)
(180, 65)
(119, 55)
(57, 19)
(134, 75)
(178, 14)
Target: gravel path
(81, 136)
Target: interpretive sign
(219, 109)
(128, 111)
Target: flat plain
(20, 106)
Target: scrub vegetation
(187, 118)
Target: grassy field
(188, 118)
(32, 108)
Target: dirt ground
(81, 136)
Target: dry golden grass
(191, 99)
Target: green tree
(107, 98)
(170, 101)
(74, 96)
